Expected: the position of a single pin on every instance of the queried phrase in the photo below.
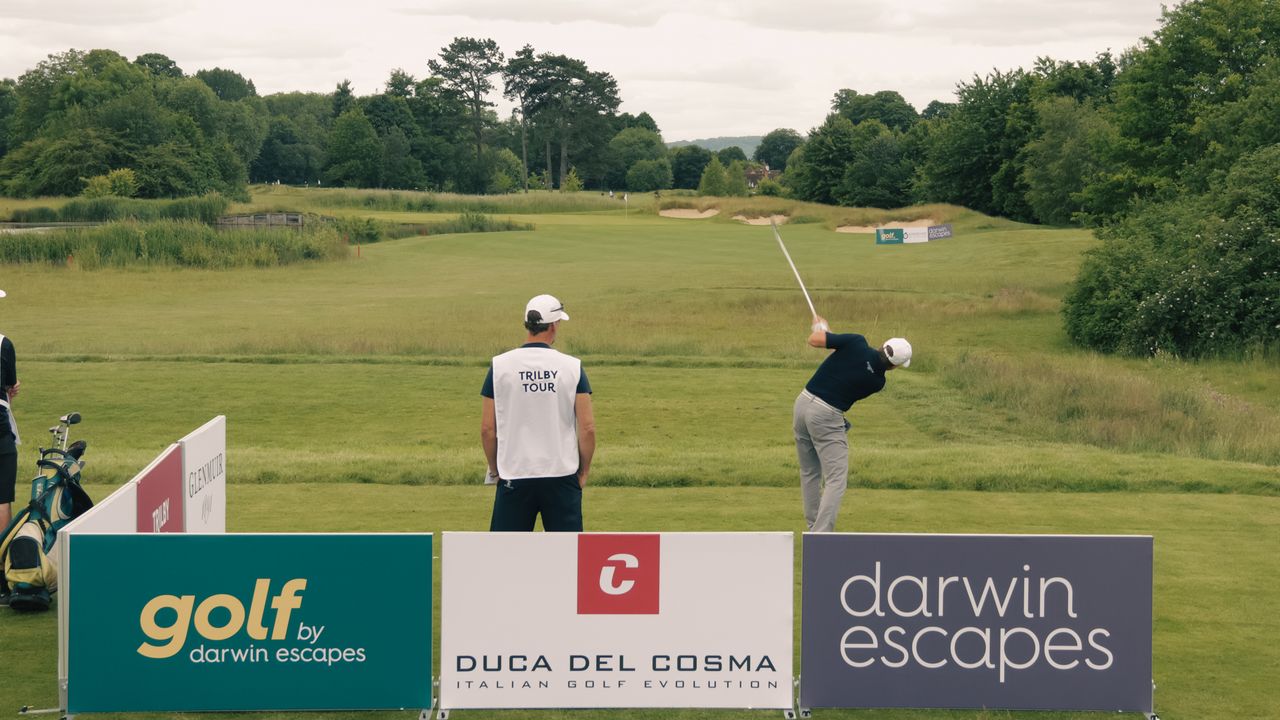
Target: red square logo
(618, 574)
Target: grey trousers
(822, 447)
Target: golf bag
(29, 574)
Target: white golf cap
(2, 293)
(899, 351)
(548, 308)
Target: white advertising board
(204, 477)
(594, 620)
(915, 235)
(116, 513)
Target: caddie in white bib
(538, 428)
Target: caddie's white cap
(548, 308)
(899, 351)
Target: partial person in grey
(854, 371)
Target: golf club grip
(778, 236)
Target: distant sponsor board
(889, 236)
(937, 232)
(915, 235)
(977, 621)
(560, 620)
(249, 622)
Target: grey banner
(1031, 622)
(937, 232)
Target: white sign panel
(915, 235)
(204, 477)
(593, 620)
(117, 513)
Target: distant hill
(747, 143)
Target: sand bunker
(689, 214)
(780, 219)
(921, 223)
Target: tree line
(99, 123)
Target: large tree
(159, 64)
(1068, 152)
(576, 104)
(821, 162)
(776, 147)
(629, 147)
(227, 84)
(518, 77)
(973, 154)
(879, 173)
(887, 106)
(1206, 54)
(355, 153)
(466, 67)
(687, 164)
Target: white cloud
(90, 13)
(555, 12)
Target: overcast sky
(701, 69)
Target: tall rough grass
(365, 231)
(182, 243)
(1092, 402)
(533, 203)
(206, 209)
(467, 222)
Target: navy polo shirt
(851, 373)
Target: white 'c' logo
(606, 575)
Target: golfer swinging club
(853, 372)
(538, 428)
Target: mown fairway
(352, 386)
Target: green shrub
(123, 182)
(770, 188)
(360, 230)
(96, 187)
(1174, 277)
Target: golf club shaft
(778, 236)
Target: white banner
(915, 235)
(592, 620)
(204, 477)
(116, 513)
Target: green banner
(889, 236)
(249, 622)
